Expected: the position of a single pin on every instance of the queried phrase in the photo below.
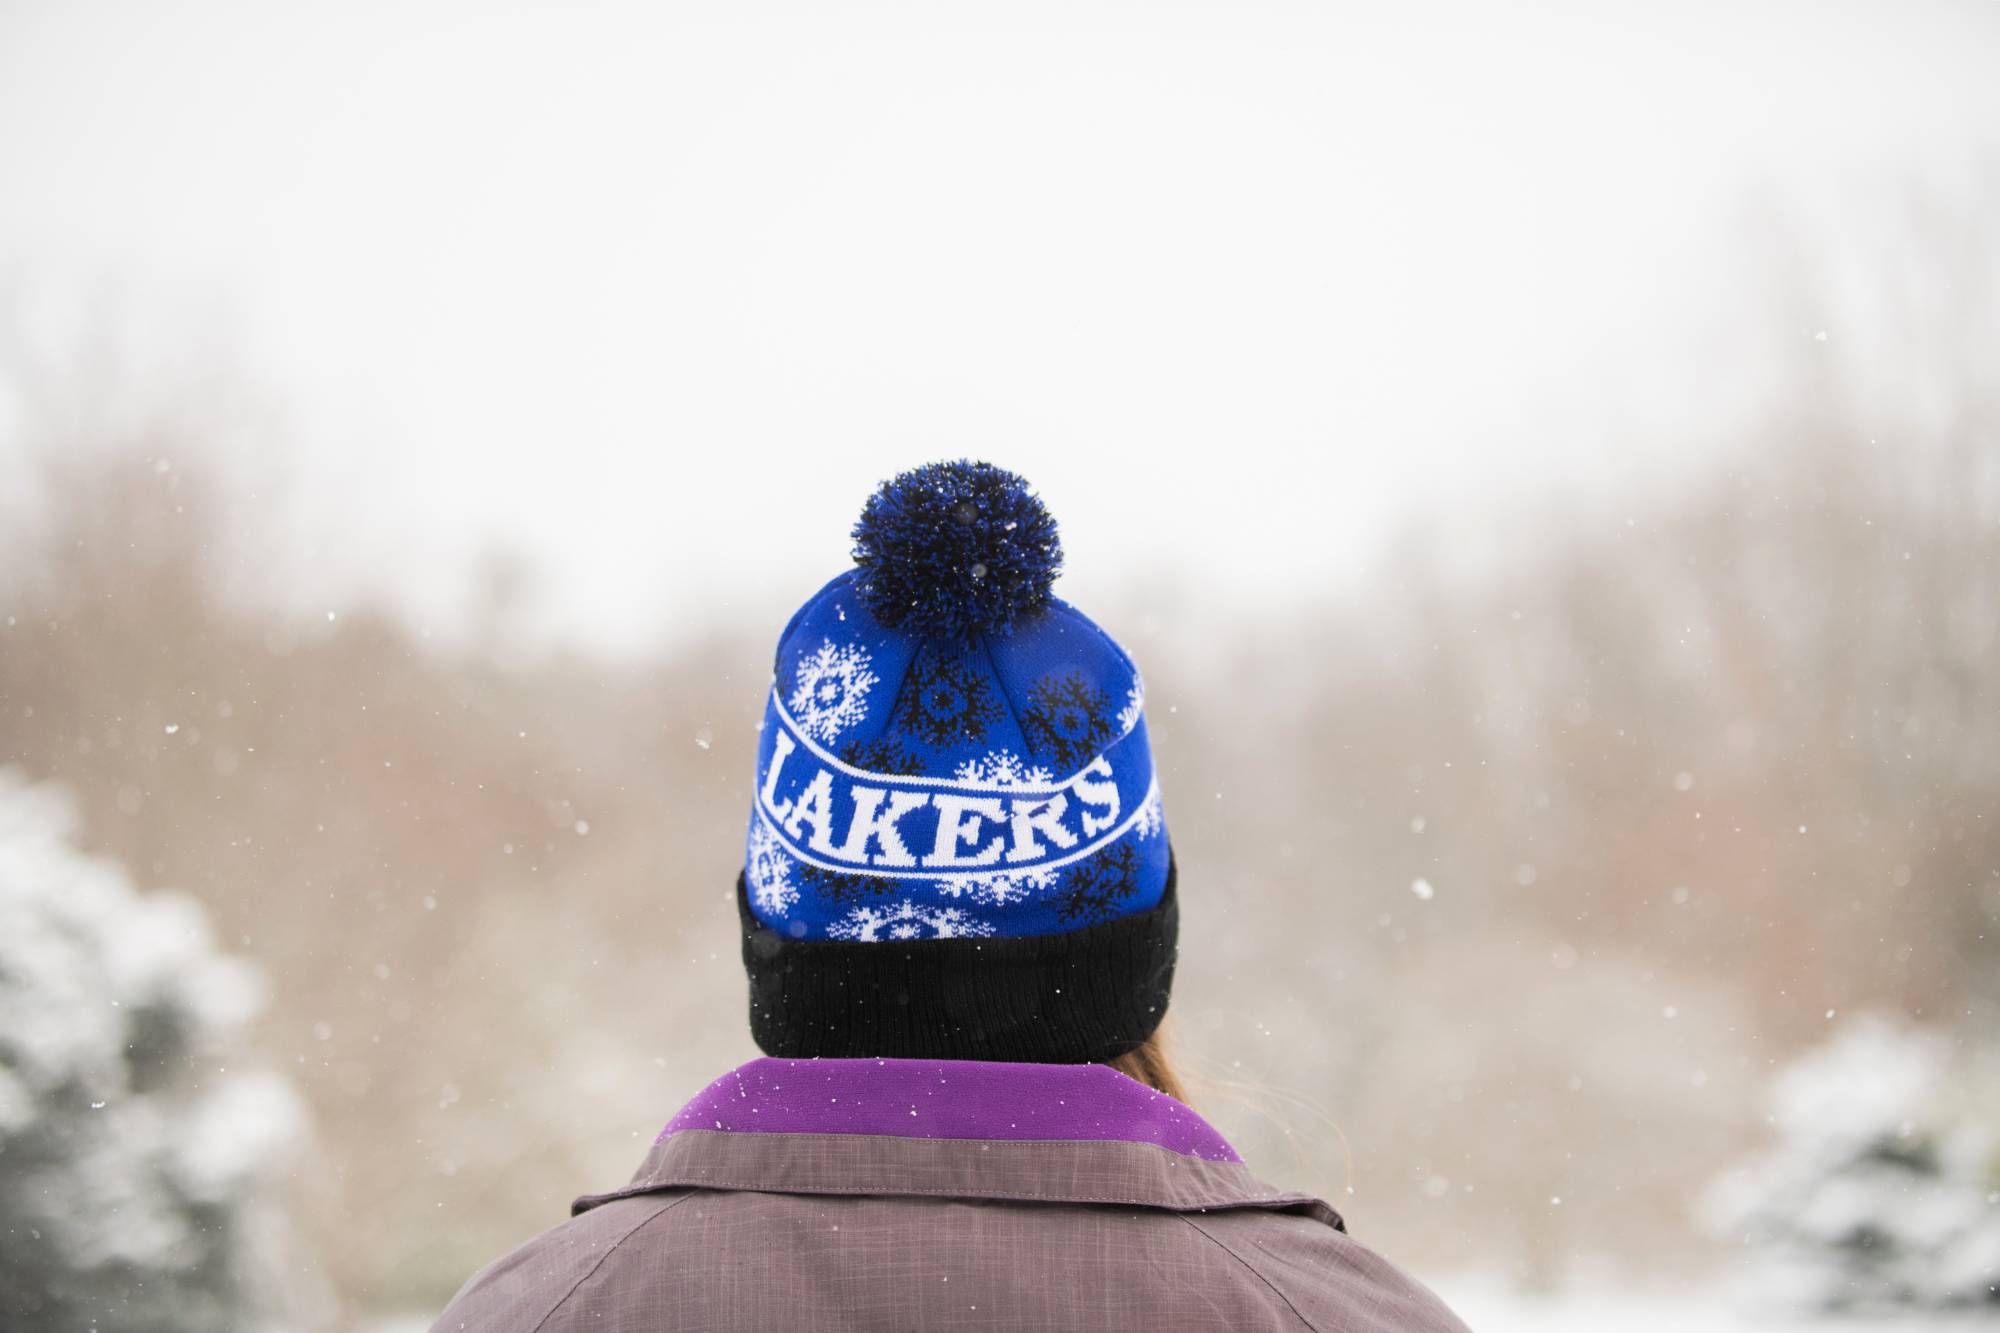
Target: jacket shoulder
(1326, 1277)
(750, 1259)
(518, 1292)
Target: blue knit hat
(951, 753)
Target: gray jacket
(906, 1194)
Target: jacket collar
(955, 1128)
(948, 1099)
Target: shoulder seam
(1226, 1249)
(679, 1180)
(609, 1250)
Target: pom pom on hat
(952, 551)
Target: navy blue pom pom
(950, 551)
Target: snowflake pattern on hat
(948, 751)
(881, 755)
(999, 888)
(908, 921)
(1003, 768)
(830, 691)
(946, 701)
(1067, 719)
(1135, 703)
(769, 870)
(1095, 889)
(1152, 818)
(843, 888)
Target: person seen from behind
(959, 919)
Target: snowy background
(1547, 464)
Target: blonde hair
(1278, 1105)
(1147, 1063)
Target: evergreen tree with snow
(1883, 1186)
(136, 1153)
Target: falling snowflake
(1152, 816)
(1003, 768)
(769, 871)
(999, 888)
(1135, 699)
(945, 700)
(830, 692)
(1067, 719)
(907, 921)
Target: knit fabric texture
(942, 759)
(1088, 994)
(908, 790)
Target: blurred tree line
(1504, 892)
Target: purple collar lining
(948, 1099)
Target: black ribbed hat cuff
(1080, 996)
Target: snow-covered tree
(1883, 1185)
(135, 1153)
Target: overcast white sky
(657, 292)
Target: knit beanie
(956, 845)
